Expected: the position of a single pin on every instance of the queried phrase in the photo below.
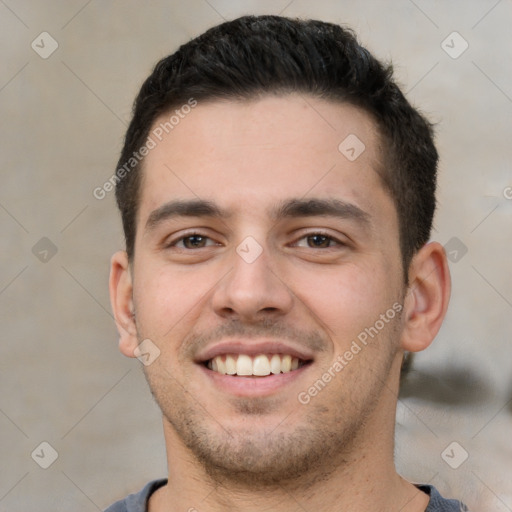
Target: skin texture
(228, 450)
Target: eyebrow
(184, 208)
(321, 208)
(291, 208)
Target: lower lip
(253, 386)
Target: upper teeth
(260, 365)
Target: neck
(359, 485)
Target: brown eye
(193, 241)
(319, 241)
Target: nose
(252, 290)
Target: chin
(267, 453)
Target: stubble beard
(277, 456)
(293, 452)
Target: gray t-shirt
(139, 502)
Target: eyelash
(304, 236)
(189, 235)
(323, 234)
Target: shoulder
(439, 504)
(137, 502)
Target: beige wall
(63, 118)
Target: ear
(121, 299)
(427, 297)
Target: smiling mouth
(261, 365)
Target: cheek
(165, 300)
(345, 299)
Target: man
(277, 193)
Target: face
(267, 272)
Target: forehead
(252, 153)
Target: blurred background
(78, 427)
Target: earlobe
(121, 298)
(427, 298)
